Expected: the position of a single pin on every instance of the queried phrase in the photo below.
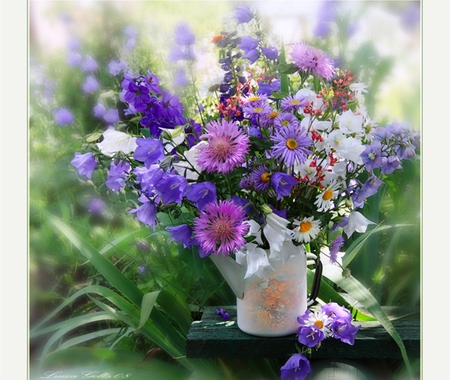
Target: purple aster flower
(116, 175)
(335, 247)
(111, 116)
(226, 148)
(201, 194)
(243, 14)
(89, 64)
(312, 61)
(171, 188)
(99, 110)
(296, 368)
(258, 108)
(286, 119)
(293, 102)
(63, 116)
(260, 178)
(371, 156)
(183, 34)
(149, 151)
(84, 163)
(246, 183)
(290, 145)
(270, 52)
(223, 313)
(283, 184)
(220, 228)
(96, 206)
(182, 234)
(90, 85)
(146, 212)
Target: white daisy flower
(324, 200)
(307, 229)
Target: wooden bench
(213, 337)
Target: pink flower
(312, 60)
(226, 147)
(220, 228)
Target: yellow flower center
(258, 110)
(265, 177)
(294, 102)
(327, 194)
(285, 123)
(319, 324)
(291, 144)
(273, 114)
(253, 98)
(305, 226)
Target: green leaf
(358, 244)
(148, 301)
(359, 292)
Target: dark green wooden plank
(214, 337)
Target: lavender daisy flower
(290, 145)
(297, 367)
(226, 147)
(63, 116)
(312, 61)
(293, 102)
(84, 163)
(286, 119)
(221, 228)
(260, 178)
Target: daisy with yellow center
(306, 229)
(324, 200)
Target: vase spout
(232, 271)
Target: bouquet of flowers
(281, 153)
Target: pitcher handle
(317, 278)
